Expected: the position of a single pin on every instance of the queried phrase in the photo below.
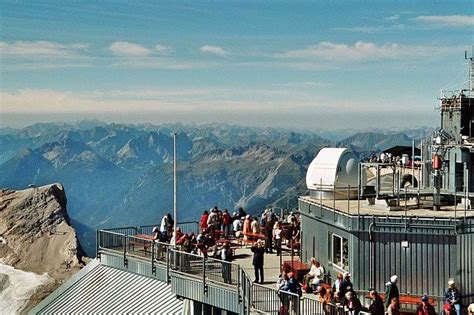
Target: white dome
(333, 166)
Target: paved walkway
(271, 265)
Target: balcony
(210, 281)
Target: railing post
(153, 267)
(168, 254)
(125, 262)
(97, 244)
(204, 274)
(348, 199)
(238, 281)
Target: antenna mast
(471, 73)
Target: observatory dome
(333, 167)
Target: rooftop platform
(409, 207)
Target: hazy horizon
(334, 122)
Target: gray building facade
(424, 251)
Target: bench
(410, 299)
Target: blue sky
(301, 65)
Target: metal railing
(245, 291)
(211, 271)
(186, 227)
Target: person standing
(452, 297)
(165, 227)
(258, 254)
(255, 226)
(293, 286)
(336, 288)
(277, 234)
(203, 221)
(226, 256)
(246, 228)
(226, 222)
(269, 222)
(346, 285)
(392, 290)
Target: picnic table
(299, 268)
(258, 236)
(251, 238)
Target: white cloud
(42, 65)
(161, 63)
(122, 48)
(361, 51)
(446, 20)
(395, 17)
(163, 49)
(216, 50)
(305, 84)
(373, 29)
(40, 48)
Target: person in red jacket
(203, 220)
(226, 222)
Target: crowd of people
(216, 226)
(342, 293)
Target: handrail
(207, 270)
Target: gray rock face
(35, 231)
(4, 281)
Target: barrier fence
(252, 296)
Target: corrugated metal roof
(105, 290)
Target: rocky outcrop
(35, 234)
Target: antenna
(471, 73)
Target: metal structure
(412, 219)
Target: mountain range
(120, 174)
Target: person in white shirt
(165, 227)
(318, 275)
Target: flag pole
(174, 191)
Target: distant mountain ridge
(119, 174)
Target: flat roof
(362, 207)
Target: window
(340, 252)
